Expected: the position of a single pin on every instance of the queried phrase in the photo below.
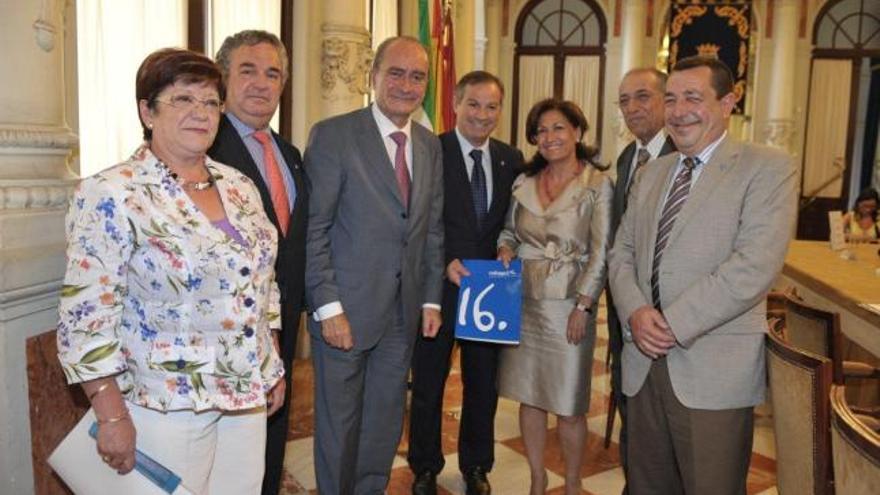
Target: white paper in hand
(77, 462)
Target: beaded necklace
(188, 185)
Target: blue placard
(490, 302)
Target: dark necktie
(642, 158)
(678, 194)
(401, 172)
(478, 186)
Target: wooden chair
(799, 385)
(818, 331)
(855, 447)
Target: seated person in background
(860, 224)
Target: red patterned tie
(400, 169)
(277, 190)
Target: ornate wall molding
(37, 137)
(777, 133)
(346, 56)
(35, 194)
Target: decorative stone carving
(345, 59)
(44, 26)
(28, 194)
(37, 137)
(777, 133)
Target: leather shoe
(425, 483)
(476, 482)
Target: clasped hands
(651, 332)
(336, 330)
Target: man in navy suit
(254, 66)
(478, 173)
(640, 98)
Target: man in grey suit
(702, 240)
(640, 97)
(374, 266)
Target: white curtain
(231, 16)
(113, 38)
(581, 85)
(384, 21)
(535, 84)
(828, 121)
(228, 17)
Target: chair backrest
(856, 449)
(814, 330)
(799, 386)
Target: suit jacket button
(398, 275)
(403, 216)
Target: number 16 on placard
(483, 320)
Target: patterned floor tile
(600, 471)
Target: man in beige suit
(703, 238)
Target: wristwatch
(583, 307)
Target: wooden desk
(825, 280)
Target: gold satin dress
(563, 250)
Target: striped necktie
(678, 194)
(641, 158)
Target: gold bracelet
(104, 386)
(114, 419)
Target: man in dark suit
(640, 97)
(374, 266)
(254, 66)
(478, 173)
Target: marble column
(346, 56)
(36, 146)
(480, 40)
(624, 53)
(632, 35)
(776, 120)
(492, 33)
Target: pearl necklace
(187, 185)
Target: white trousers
(213, 452)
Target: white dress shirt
(466, 148)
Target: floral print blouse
(156, 294)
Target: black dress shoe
(425, 483)
(476, 482)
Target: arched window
(560, 51)
(848, 25)
(840, 158)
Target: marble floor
(601, 472)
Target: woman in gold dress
(559, 225)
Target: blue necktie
(478, 186)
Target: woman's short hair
(574, 115)
(167, 66)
